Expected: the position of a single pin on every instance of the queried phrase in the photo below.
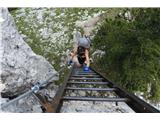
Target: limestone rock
(94, 107)
(21, 67)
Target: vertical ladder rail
(57, 100)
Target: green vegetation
(132, 50)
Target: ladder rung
(81, 71)
(92, 89)
(97, 83)
(87, 75)
(96, 99)
(74, 78)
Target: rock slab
(20, 66)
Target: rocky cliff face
(21, 67)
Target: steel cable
(33, 89)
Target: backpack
(84, 42)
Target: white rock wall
(20, 66)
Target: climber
(80, 53)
